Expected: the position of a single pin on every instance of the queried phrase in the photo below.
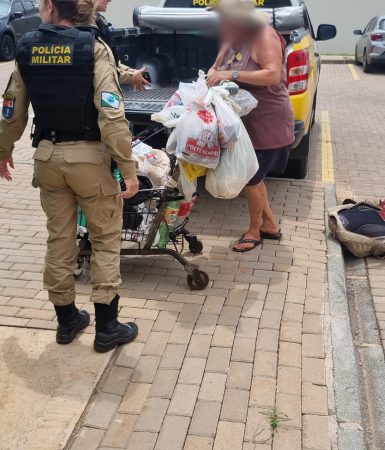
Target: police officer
(127, 75)
(70, 79)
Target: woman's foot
(249, 241)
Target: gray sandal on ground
(255, 243)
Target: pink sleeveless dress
(271, 124)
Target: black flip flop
(247, 241)
(271, 237)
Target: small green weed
(275, 418)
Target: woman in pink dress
(253, 55)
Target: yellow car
(303, 72)
(177, 38)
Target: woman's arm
(267, 52)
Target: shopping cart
(142, 217)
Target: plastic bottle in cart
(120, 180)
(170, 217)
(185, 209)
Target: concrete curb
(369, 350)
(345, 365)
(331, 59)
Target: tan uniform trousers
(71, 174)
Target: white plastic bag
(185, 186)
(197, 137)
(237, 165)
(197, 130)
(169, 116)
(246, 101)
(229, 123)
(172, 142)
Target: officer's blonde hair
(80, 12)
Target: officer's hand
(4, 170)
(138, 82)
(132, 187)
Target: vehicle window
(369, 26)
(382, 25)
(29, 7)
(374, 24)
(206, 3)
(308, 24)
(4, 9)
(17, 7)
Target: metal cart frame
(196, 279)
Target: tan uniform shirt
(114, 128)
(125, 74)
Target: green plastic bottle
(170, 216)
(164, 235)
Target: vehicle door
(31, 14)
(314, 55)
(17, 19)
(363, 40)
(381, 28)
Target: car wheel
(298, 162)
(357, 62)
(367, 66)
(7, 48)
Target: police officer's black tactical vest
(57, 66)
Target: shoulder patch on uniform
(110, 100)
(8, 106)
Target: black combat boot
(70, 321)
(109, 332)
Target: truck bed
(139, 105)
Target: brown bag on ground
(360, 227)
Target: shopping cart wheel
(198, 280)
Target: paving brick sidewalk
(357, 127)
(208, 367)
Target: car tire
(313, 120)
(7, 48)
(368, 68)
(298, 163)
(357, 62)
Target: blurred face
(233, 32)
(102, 5)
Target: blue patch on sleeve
(8, 106)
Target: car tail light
(298, 72)
(376, 37)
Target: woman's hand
(4, 169)
(132, 187)
(214, 77)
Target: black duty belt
(61, 136)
